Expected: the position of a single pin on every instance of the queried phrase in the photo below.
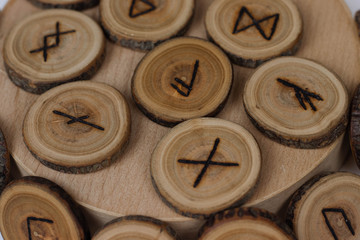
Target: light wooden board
(330, 38)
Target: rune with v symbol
(207, 163)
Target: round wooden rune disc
(254, 31)
(136, 227)
(205, 165)
(297, 102)
(182, 79)
(355, 126)
(4, 163)
(78, 127)
(53, 47)
(68, 4)
(36, 208)
(245, 223)
(142, 24)
(327, 207)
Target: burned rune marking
(182, 83)
(337, 210)
(256, 23)
(29, 219)
(302, 94)
(207, 163)
(78, 119)
(151, 8)
(45, 48)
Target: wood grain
(330, 37)
(136, 227)
(297, 102)
(252, 32)
(326, 207)
(245, 223)
(205, 165)
(141, 24)
(34, 207)
(68, 4)
(78, 127)
(182, 79)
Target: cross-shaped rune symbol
(28, 222)
(256, 23)
(302, 94)
(151, 8)
(78, 119)
(45, 48)
(337, 210)
(182, 83)
(207, 163)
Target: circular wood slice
(245, 223)
(136, 227)
(4, 163)
(36, 208)
(297, 102)
(78, 127)
(327, 207)
(182, 79)
(142, 24)
(355, 126)
(254, 31)
(68, 4)
(53, 47)
(205, 165)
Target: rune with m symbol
(46, 47)
(207, 163)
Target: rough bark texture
(76, 6)
(4, 163)
(253, 63)
(39, 88)
(298, 195)
(357, 20)
(161, 224)
(60, 194)
(321, 142)
(145, 45)
(355, 125)
(236, 213)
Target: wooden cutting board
(330, 38)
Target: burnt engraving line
(45, 48)
(182, 83)
(78, 119)
(337, 210)
(207, 163)
(256, 23)
(302, 94)
(131, 11)
(29, 219)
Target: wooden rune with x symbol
(207, 163)
(78, 119)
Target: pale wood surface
(198, 190)
(326, 207)
(330, 37)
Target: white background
(354, 6)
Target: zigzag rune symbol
(256, 23)
(56, 44)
